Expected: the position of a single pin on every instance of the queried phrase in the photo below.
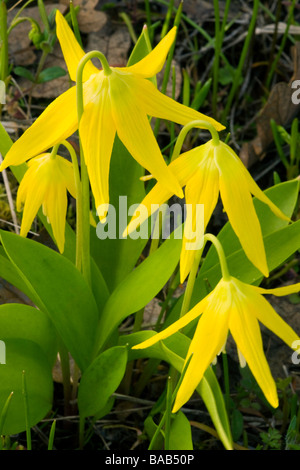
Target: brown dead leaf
(278, 107)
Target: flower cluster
(119, 101)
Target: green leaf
(180, 433)
(100, 380)
(139, 287)
(59, 289)
(25, 355)
(50, 74)
(29, 323)
(25, 73)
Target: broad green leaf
(116, 257)
(51, 73)
(9, 272)
(60, 290)
(100, 380)
(173, 350)
(180, 433)
(29, 323)
(139, 287)
(23, 72)
(25, 355)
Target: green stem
(85, 189)
(182, 134)
(214, 240)
(79, 240)
(3, 41)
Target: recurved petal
(183, 168)
(208, 341)
(158, 105)
(31, 192)
(71, 50)
(55, 124)
(65, 168)
(255, 189)
(153, 62)
(201, 189)
(135, 132)
(158, 195)
(176, 326)
(245, 330)
(97, 131)
(279, 291)
(55, 208)
(259, 307)
(238, 204)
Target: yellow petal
(31, 192)
(208, 341)
(153, 62)
(280, 291)
(135, 132)
(202, 188)
(238, 204)
(67, 174)
(158, 105)
(246, 333)
(149, 205)
(55, 124)
(183, 168)
(265, 313)
(55, 208)
(254, 188)
(97, 131)
(176, 326)
(71, 50)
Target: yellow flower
(205, 172)
(236, 307)
(116, 102)
(45, 184)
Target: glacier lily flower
(207, 171)
(45, 184)
(116, 100)
(236, 307)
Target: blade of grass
(238, 72)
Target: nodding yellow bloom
(115, 101)
(206, 172)
(45, 184)
(236, 307)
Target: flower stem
(54, 151)
(225, 273)
(182, 134)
